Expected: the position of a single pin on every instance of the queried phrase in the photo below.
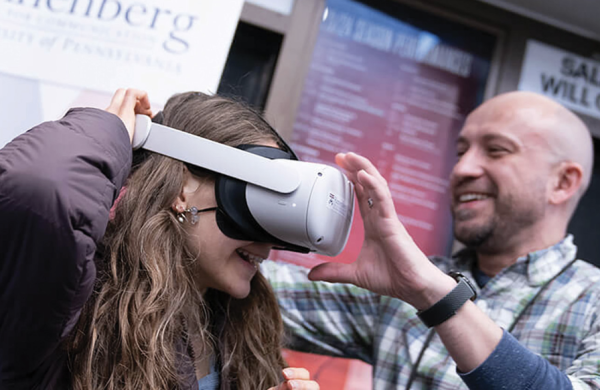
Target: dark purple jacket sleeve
(58, 182)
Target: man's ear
(567, 182)
(190, 186)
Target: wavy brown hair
(133, 332)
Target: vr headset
(264, 194)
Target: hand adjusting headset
(264, 194)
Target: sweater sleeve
(512, 366)
(58, 182)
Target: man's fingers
(353, 162)
(332, 272)
(377, 190)
(365, 176)
(371, 188)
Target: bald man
(524, 162)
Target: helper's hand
(126, 103)
(389, 263)
(296, 379)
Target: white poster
(55, 54)
(565, 77)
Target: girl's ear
(567, 182)
(190, 186)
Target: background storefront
(390, 79)
(505, 28)
(345, 79)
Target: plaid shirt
(561, 325)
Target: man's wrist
(448, 306)
(435, 288)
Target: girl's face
(222, 263)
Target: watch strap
(449, 305)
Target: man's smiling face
(500, 179)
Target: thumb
(332, 272)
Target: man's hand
(296, 379)
(389, 263)
(126, 103)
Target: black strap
(447, 306)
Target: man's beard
(474, 237)
(494, 234)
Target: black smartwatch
(449, 305)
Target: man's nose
(469, 165)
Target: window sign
(571, 80)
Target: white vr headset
(264, 194)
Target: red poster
(397, 93)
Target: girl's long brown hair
(132, 333)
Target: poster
(62, 53)
(398, 93)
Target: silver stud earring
(194, 212)
(181, 217)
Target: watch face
(458, 277)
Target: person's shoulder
(587, 273)
(581, 284)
